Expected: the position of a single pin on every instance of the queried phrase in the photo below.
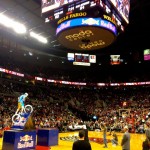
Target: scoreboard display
(54, 10)
(104, 19)
(81, 59)
(71, 5)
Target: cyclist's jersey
(22, 99)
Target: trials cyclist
(21, 100)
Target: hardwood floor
(136, 141)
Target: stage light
(38, 37)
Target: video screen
(115, 59)
(81, 57)
(59, 8)
(70, 57)
(92, 59)
(48, 5)
(147, 54)
(123, 7)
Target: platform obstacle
(22, 135)
(47, 137)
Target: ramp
(25, 123)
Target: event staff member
(146, 143)
(81, 144)
(104, 130)
(125, 143)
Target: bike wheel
(16, 118)
(28, 109)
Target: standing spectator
(125, 143)
(81, 144)
(104, 130)
(146, 143)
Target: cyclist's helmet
(26, 94)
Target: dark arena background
(81, 63)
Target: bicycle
(16, 118)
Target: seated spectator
(114, 139)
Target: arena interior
(67, 92)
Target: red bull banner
(26, 141)
(21, 140)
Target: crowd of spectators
(61, 107)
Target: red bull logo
(25, 142)
(90, 21)
(25, 138)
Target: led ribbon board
(86, 33)
(86, 22)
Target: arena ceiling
(134, 40)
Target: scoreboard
(104, 19)
(53, 10)
(81, 59)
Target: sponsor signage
(98, 22)
(11, 72)
(20, 140)
(81, 63)
(109, 19)
(26, 141)
(80, 35)
(92, 44)
(70, 16)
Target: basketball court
(66, 141)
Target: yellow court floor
(136, 141)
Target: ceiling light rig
(10, 23)
(20, 28)
(38, 37)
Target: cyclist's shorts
(20, 105)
